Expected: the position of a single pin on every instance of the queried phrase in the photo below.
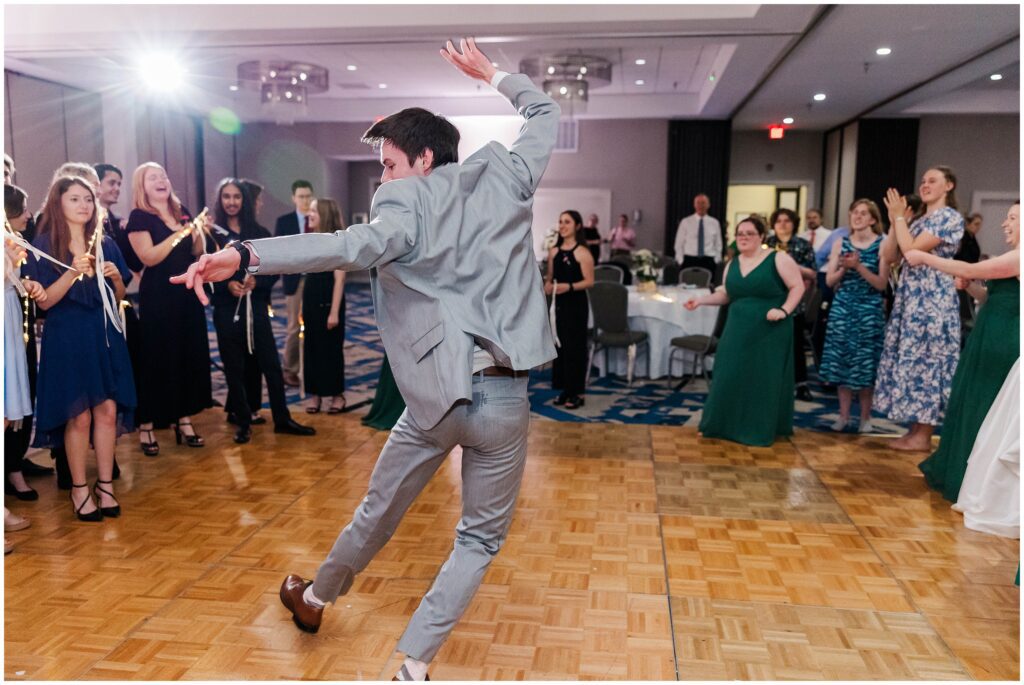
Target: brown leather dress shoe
(305, 616)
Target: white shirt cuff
(496, 79)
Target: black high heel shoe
(29, 495)
(94, 515)
(151, 448)
(114, 511)
(194, 440)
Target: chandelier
(284, 86)
(568, 78)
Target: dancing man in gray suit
(462, 314)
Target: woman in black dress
(175, 373)
(323, 317)
(570, 273)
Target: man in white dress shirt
(699, 237)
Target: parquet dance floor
(637, 552)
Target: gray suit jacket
(452, 264)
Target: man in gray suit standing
(462, 314)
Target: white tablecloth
(662, 315)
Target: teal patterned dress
(856, 326)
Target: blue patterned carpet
(608, 399)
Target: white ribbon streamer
(248, 318)
(552, 317)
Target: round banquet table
(662, 315)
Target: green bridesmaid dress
(751, 397)
(992, 348)
(388, 404)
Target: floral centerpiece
(643, 269)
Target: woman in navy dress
(175, 342)
(85, 386)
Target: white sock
(310, 598)
(839, 425)
(416, 669)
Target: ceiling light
(382, 85)
(711, 76)
(273, 74)
(568, 77)
(494, 64)
(233, 87)
(788, 120)
(551, 69)
(351, 67)
(818, 97)
(295, 81)
(996, 77)
(161, 72)
(303, 76)
(284, 86)
(639, 82)
(641, 62)
(882, 52)
(583, 69)
(563, 90)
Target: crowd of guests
(902, 359)
(110, 360)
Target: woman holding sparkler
(175, 345)
(84, 388)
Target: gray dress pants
(492, 432)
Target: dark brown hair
(413, 130)
(758, 223)
(54, 224)
(783, 211)
(950, 177)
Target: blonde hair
(873, 210)
(139, 199)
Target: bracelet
(783, 310)
(243, 253)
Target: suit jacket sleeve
(532, 149)
(389, 236)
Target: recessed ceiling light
(303, 76)
(382, 85)
(819, 97)
(551, 70)
(996, 77)
(882, 52)
(563, 90)
(583, 70)
(494, 64)
(641, 62)
(351, 67)
(233, 87)
(639, 82)
(788, 120)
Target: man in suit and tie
(462, 314)
(294, 223)
(699, 238)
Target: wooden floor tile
(821, 557)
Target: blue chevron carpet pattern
(608, 399)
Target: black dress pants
(231, 339)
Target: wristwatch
(244, 254)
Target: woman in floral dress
(922, 339)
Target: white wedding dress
(990, 495)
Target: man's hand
(470, 61)
(209, 268)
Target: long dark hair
(54, 224)
(246, 215)
(577, 219)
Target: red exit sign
(776, 132)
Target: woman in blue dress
(85, 385)
(858, 273)
(922, 340)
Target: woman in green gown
(751, 396)
(992, 348)
(388, 404)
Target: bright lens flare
(161, 72)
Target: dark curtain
(886, 158)
(698, 162)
